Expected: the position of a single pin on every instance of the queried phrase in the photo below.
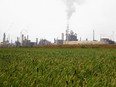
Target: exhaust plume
(70, 5)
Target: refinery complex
(69, 37)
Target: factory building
(70, 38)
(83, 42)
(17, 43)
(4, 37)
(70, 35)
(107, 41)
(27, 43)
(5, 42)
(59, 41)
(102, 41)
(44, 42)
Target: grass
(57, 67)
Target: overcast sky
(48, 19)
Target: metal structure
(70, 36)
(4, 37)
(107, 40)
(44, 42)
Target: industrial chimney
(36, 41)
(22, 39)
(63, 36)
(67, 32)
(4, 37)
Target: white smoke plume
(70, 5)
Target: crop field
(57, 67)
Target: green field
(57, 67)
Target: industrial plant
(23, 41)
(69, 37)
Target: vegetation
(57, 67)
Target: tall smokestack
(67, 32)
(4, 37)
(63, 36)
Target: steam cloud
(70, 4)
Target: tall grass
(58, 67)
